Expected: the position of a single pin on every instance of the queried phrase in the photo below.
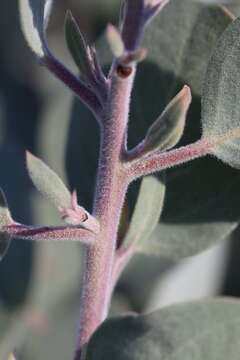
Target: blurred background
(40, 283)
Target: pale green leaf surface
(202, 330)
(221, 96)
(48, 182)
(34, 16)
(147, 210)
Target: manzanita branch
(164, 160)
(46, 233)
(85, 94)
(109, 100)
(159, 161)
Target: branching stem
(85, 94)
(111, 188)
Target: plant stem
(111, 188)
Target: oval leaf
(202, 330)
(221, 99)
(48, 182)
(168, 129)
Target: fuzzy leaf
(5, 219)
(48, 182)
(147, 210)
(202, 330)
(34, 19)
(221, 99)
(168, 129)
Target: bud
(168, 129)
(134, 56)
(115, 41)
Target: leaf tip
(114, 40)
(185, 96)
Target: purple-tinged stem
(111, 188)
(136, 15)
(85, 94)
(164, 160)
(49, 233)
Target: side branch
(73, 83)
(59, 233)
(163, 160)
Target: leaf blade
(48, 182)
(34, 17)
(147, 211)
(206, 329)
(220, 105)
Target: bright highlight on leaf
(115, 41)
(168, 129)
(5, 219)
(34, 16)
(48, 182)
(11, 357)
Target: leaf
(147, 210)
(168, 129)
(5, 219)
(34, 16)
(76, 44)
(199, 330)
(221, 105)
(48, 182)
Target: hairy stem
(164, 160)
(47, 233)
(86, 95)
(111, 188)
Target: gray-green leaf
(147, 211)
(77, 45)
(202, 330)
(48, 182)
(168, 129)
(221, 96)
(34, 16)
